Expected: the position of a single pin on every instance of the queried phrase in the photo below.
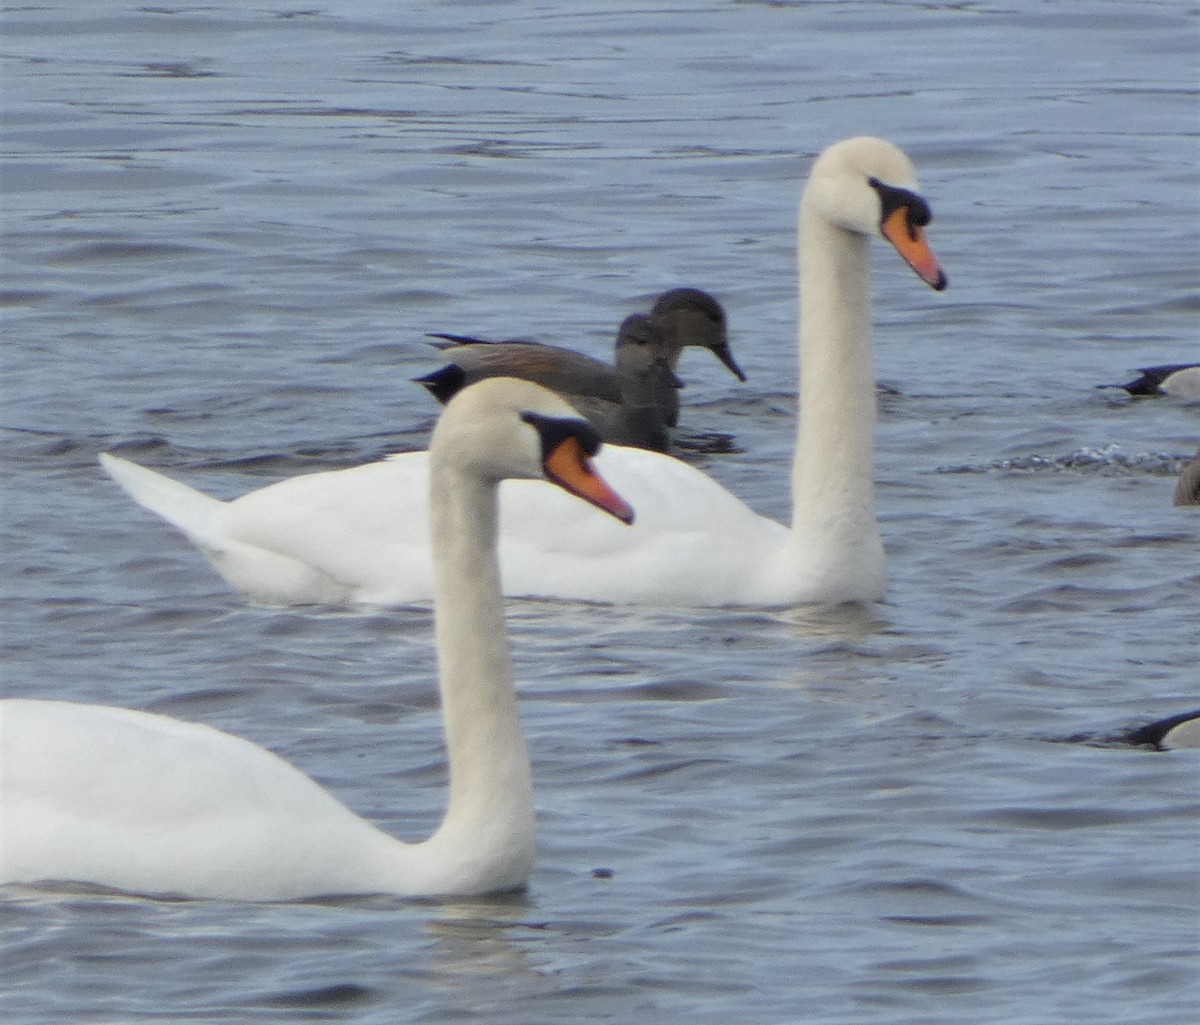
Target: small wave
(1109, 459)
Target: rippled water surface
(228, 228)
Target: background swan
(642, 373)
(683, 317)
(151, 805)
(359, 535)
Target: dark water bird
(1170, 379)
(689, 316)
(1187, 491)
(641, 369)
(684, 317)
(1182, 730)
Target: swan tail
(189, 510)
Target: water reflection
(482, 939)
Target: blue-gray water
(227, 229)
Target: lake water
(228, 228)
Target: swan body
(641, 373)
(359, 535)
(679, 318)
(331, 537)
(151, 805)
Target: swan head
(869, 186)
(504, 428)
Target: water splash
(1109, 460)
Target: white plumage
(362, 534)
(151, 805)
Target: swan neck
(833, 472)
(491, 795)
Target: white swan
(361, 535)
(151, 805)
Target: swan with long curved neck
(152, 805)
(334, 537)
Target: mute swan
(151, 805)
(683, 316)
(1172, 379)
(642, 370)
(360, 535)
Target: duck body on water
(151, 805)
(361, 536)
(623, 402)
(679, 318)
